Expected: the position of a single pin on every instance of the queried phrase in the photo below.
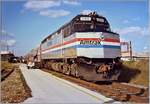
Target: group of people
(30, 64)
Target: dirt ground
(13, 88)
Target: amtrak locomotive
(85, 47)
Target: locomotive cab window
(100, 19)
(85, 18)
(91, 26)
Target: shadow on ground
(128, 73)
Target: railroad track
(126, 92)
(5, 73)
(119, 91)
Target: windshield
(91, 27)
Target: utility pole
(130, 49)
(7, 47)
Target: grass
(136, 72)
(14, 88)
(6, 65)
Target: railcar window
(67, 31)
(58, 32)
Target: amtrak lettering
(91, 42)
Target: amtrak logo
(90, 42)
(93, 42)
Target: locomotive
(85, 48)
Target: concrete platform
(47, 88)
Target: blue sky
(26, 23)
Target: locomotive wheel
(57, 67)
(60, 67)
(77, 73)
(49, 65)
(53, 66)
(46, 65)
(75, 70)
(66, 69)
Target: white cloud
(5, 34)
(71, 2)
(3, 42)
(145, 48)
(133, 30)
(44, 7)
(11, 42)
(54, 13)
(132, 20)
(144, 31)
(86, 11)
(126, 21)
(39, 5)
(6, 38)
(136, 19)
